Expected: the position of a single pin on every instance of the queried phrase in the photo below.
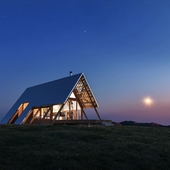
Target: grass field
(74, 147)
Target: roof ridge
(55, 80)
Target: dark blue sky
(121, 46)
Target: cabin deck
(84, 122)
(74, 122)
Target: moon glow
(148, 101)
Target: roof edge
(53, 80)
(74, 86)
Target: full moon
(148, 101)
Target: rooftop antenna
(71, 73)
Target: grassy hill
(70, 147)
(133, 123)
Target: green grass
(74, 147)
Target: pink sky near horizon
(159, 113)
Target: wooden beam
(34, 115)
(76, 112)
(14, 116)
(73, 99)
(85, 114)
(45, 114)
(97, 113)
(40, 115)
(81, 114)
(25, 119)
(51, 114)
(69, 111)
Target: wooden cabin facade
(59, 101)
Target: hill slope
(132, 123)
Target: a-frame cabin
(60, 100)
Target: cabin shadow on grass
(81, 147)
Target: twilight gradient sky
(122, 47)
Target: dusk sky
(122, 47)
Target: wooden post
(69, 110)
(58, 113)
(97, 113)
(25, 119)
(81, 114)
(34, 115)
(40, 116)
(76, 111)
(51, 114)
(46, 114)
(85, 114)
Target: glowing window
(56, 108)
(19, 111)
(72, 95)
